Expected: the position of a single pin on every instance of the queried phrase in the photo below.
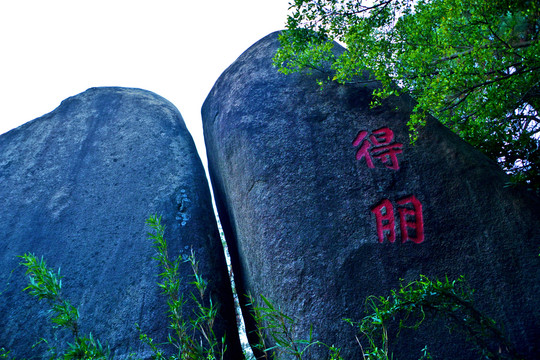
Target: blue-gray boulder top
(77, 185)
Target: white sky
(54, 49)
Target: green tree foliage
(473, 64)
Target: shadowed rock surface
(306, 182)
(76, 188)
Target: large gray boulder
(324, 201)
(76, 188)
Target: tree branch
(489, 82)
(519, 45)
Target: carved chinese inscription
(379, 145)
(411, 221)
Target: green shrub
(193, 338)
(411, 304)
(192, 335)
(45, 284)
(272, 322)
(4, 354)
(408, 307)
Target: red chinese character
(364, 149)
(385, 221)
(411, 219)
(379, 146)
(382, 136)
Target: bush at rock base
(193, 337)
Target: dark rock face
(77, 187)
(324, 201)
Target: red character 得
(378, 145)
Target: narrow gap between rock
(240, 323)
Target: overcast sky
(54, 49)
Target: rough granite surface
(302, 177)
(76, 188)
